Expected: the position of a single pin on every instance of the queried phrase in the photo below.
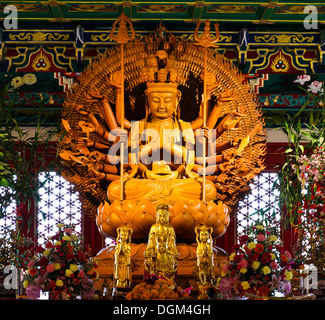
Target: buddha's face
(204, 236)
(124, 236)
(162, 104)
(162, 216)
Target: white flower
(302, 79)
(315, 87)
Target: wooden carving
(197, 156)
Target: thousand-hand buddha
(162, 146)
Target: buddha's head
(124, 234)
(204, 236)
(162, 213)
(162, 98)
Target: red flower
(284, 258)
(254, 256)
(237, 257)
(51, 285)
(263, 290)
(32, 272)
(56, 237)
(243, 239)
(69, 256)
(48, 245)
(43, 262)
(39, 249)
(265, 257)
(259, 248)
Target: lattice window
(8, 221)
(260, 204)
(59, 204)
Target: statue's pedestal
(186, 263)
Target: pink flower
(50, 268)
(68, 230)
(260, 237)
(273, 265)
(81, 274)
(287, 253)
(242, 264)
(33, 292)
(30, 264)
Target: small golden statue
(205, 263)
(122, 265)
(161, 253)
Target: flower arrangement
(14, 249)
(310, 227)
(301, 181)
(61, 268)
(258, 265)
(157, 288)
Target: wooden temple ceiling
(267, 11)
(55, 40)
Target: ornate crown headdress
(161, 73)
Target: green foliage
(305, 131)
(23, 154)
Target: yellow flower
(259, 227)
(58, 243)
(256, 265)
(243, 270)
(251, 245)
(57, 266)
(59, 283)
(74, 237)
(66, 238)
(60, 225)
(25, 283)
(73, 267)
(266, 270)
(245, 285)
(273, 238)
(68, 272)
(232, 256)
(288, 275)
(46, 253)
(272, 256)
(223, 274)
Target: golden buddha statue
(157, 114)
(204, 251)
(194, 139)
(161, 253)
(122, 267)
(162, 146)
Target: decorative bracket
(79, 44)
(242, 46)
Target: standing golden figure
(204, 251)
(122, 266)
(161, 253)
